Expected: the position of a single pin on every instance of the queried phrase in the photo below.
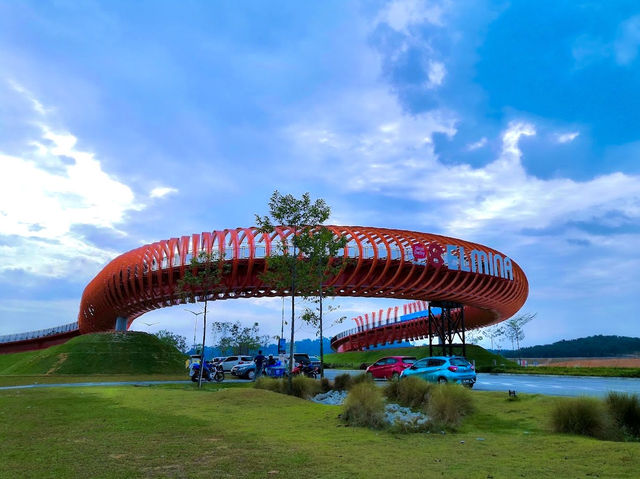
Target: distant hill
(592, 346)
(101, 353)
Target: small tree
(286, 270)
(320, 248)
(514, 329)
(172, 339)
(237, 338)
(494, 333)
(202, 281)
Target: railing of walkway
(40, 333)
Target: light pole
(204, 335)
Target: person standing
(259, 360)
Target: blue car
(443, 369)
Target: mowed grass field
(234, 431)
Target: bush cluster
(271, 384)
(304, 387)
(614, 419)
(625, 411)
(410, 392)
(448, 404)
(583, 415)
(364, 406)
(342, 382)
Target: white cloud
(566, 137)
(48, 190)
(628, 41)
(402, 14)
(478, 144)
(436, 74)
(162, 191)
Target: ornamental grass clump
(585, 416)
(360, 379)
(448, 404)
(410, 392)
(342, 382)
(325, 385)
(625, 411)
(304, 387)
(271, 384)
(364, 406)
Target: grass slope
(101, 353)
(178, 431)
(352, 360)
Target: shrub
(271, 384)
(364, 406)
(325, 385)
(359, 379)
(625, 411)
(342, 382)
(583, 415)
(448, 404)
(304, 387)
(409, 392)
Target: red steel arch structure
(382, 265)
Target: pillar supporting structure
(448, 327)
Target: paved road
(539, 384)
(551, 385)
(557, 385)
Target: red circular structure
(386, 263)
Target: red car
(390, 367)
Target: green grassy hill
(101, 353)
(352, 360)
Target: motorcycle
(307, 369)
(217, 374)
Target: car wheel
(395, 376)
(442, 380)
(251, 375)
(469, 385)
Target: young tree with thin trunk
(320, 248)
(286, 270)
(514, 328)
(201, 282)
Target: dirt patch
(61, 359)
(599, 363)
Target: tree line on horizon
(588, 347)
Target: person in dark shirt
(259, 360)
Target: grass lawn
(231, 430)
(20, 380)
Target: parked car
(315, 361)
(298, 358)
(244, 370)
(231, 361)
(390, 367)
(443, 369)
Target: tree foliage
(514, 328)
(234, 338)
(172, 339)
(288, 270)
(201, 281)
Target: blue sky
(513, 124)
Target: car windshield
(459, 362)
(409, 360)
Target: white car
(230, 361)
